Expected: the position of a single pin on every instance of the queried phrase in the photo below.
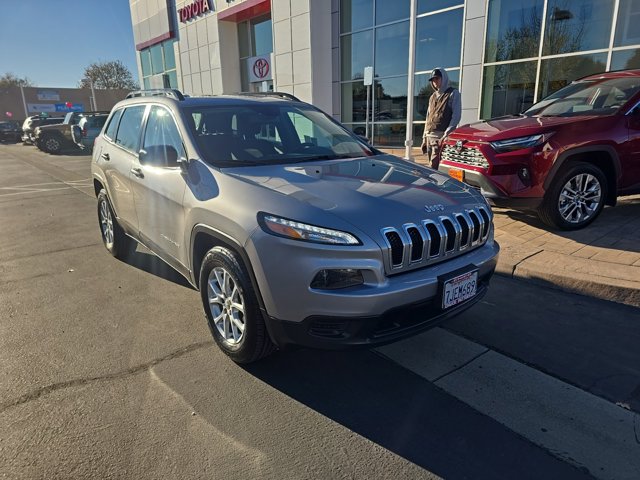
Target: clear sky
(52, 41)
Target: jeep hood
(502, 128)
(379, 191)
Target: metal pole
(24, 103)
(367, 114)
(408, 143)
(93, 95)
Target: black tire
(253, 343)
(114, 239)
(51, 144)
(581, 209)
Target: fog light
(525, 176)
(335, 279)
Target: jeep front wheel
(51, 144)
(576, 197)
(231, 307)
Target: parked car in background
(10, 131)
(58, 137)
(294, 230)
(89, 127)
(566, 157)
(33, 122)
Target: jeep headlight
(287, 228)
(518, 143)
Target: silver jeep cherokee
(294, 230)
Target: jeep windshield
(587, 97)
(237, 135)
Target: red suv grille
(466, 155)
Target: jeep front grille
(466, 155)
(434, 240)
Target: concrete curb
(603, 280)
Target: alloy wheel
(580, 198)
(52, 144)
(227, 305)
(106, 223)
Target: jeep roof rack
(157, 92)
(288, 96)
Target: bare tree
(113, 74)
(10, 80)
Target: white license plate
(458, 289)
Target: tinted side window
(110, 132)
(129, 129)
(162, 130)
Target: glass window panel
(162, 130)
(110, 132)
(390, 134)
(157, 64)
(354, 102)
(244, 76)
(577, 25)
(556, 73)
(391, 99)
(508, 89)
(418, 130)
(392, 10)
(358, 128)
(262, 36)
(628, 25)
(356, 52)
(438, 40)
(145, 60)
(173, 79)
(129, 131)
(355, 15)
(513, 29)
(169, 55)
(392, 45)
(147, 83)
(423, 90)
(625, 59)
(425, 6)
(243, 40)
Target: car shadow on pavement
(405, 414)
(146, 261)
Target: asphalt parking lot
(109, 371)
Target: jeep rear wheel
(51, 144)
(576, 197)
(232, 309)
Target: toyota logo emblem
(261, 68)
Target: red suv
(566, 157)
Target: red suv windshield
(587, 97)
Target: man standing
(443, 115)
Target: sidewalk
(601, 260)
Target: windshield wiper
(324, 157)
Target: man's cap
(435, 73)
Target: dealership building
(503, 55)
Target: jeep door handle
(137, 172)
(106, 156)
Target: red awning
(245, 10)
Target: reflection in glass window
(628, 25)
(129, 131)
(169, 56)
(438, 40)
(513, 29)
(243, 39)
(261, 36)
(357, 52)
(390, 99)
(355, 15)
(389, 134)
(157, 63)
(577, 25)
(625, 59)
(425, 6)
(556, 73)
(354, 102)
(162, 130)
(423, 90)
(392, 43)
(392, 10)
(508, 89)
(145, 60)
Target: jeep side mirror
(159, 156)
